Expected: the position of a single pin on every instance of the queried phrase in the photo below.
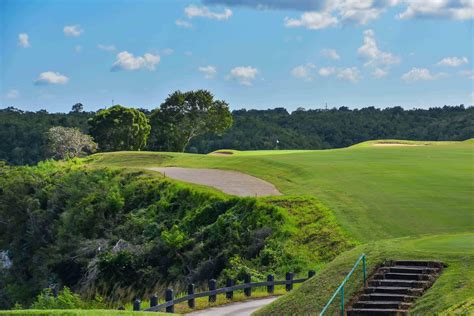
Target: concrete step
(393, 290)
(404, 276)
(408, 269)
(387, 297)
(416, 263)
(400, 283)
(382, 304)
(376, 312)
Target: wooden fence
(213, 291)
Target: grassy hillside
(77, 312)
(375, 191)
(452, 293)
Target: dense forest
(22, 134)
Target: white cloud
(379, 73)
(23, 40)
(330, 53)
(375, 57)
(304, 72)
(244, 74)
(467, 73)
(167, 51)
(126, 61)
(416, 74)
(312, 20)
(50, 77)
(107, 48)
(454, 9)
(73, 30)
(208, 71)
(13, 94)
(193, 11)
(326, 71)
(184, 24)
(453, 61)
(348, 74)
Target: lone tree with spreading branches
(120, 128)
(184, 116)
(66, 142)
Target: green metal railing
(340, 289)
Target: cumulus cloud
(243, 74)
(126, 61)
(208, 71)
(51, 77)
(375, 57)
(351, 74)
(107, 48)
(417, 74)
(454, 9)
(184, 24)
(193, 11)
(73, 30)
(305, 72)
(453, 61)
(330, 53)
(23, 40)
(13, 94)
(379, 73)
(326, 71)
(312, 20)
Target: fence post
(153, 300)
(271, 287)
(311, 273)
(289, 277)
(212, 287)
(230, 294)
(247, 290)
(136, 305)
(169, 296)
(191, 301)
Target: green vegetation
(120, 128)
(454, 289)
(22, 134)
(77, 312)
(184, 116)
(123, 234)
(374, 191)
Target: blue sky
(253, 54)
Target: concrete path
(235, 309)
(230, 182)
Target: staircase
(393, 288)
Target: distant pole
(112, 102)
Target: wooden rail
(213, 292)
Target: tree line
(195, 122)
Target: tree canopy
(184, 116)
(69, 142)
(120, 128)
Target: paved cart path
(230, 182)
(235, 309)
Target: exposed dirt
(230, 182)
(397, 144)
(222, 153)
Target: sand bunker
(221, 153)
(396, 144)
(230, 182)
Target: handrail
(341, 287)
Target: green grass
(452, 292)
(375, 192)
(77, 312)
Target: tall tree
(184, 116)
(120, 128)
(67, 142)
(77, 108)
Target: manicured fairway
(375, 191)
